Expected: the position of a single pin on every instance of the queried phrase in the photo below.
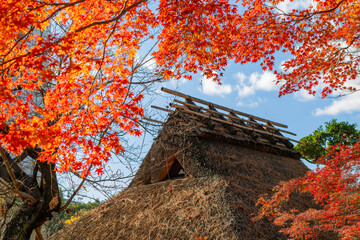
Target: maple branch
(8, 167)
(146, 82)
(351, 43)
(143, 62)
(342, 50)
(122, 13)
(73, 195)
(311, 14)
(20, 193)
(21, 157)
(97, 181)
(26, 183)
(65, 5)
(104, 52)
(21, 56)
(18, 41)
(329, 10)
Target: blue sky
(249, 89)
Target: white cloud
(245, 91)
(265, 81)
(304, 96)
(288, 5)
(248, 86)
(347, 104)
(251, 103)
(209, 87)
(176, 83)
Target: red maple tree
(323, 40)
(67, 77)
(334, 188)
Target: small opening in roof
(172, 170)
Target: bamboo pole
(229, 115)
(220, 107)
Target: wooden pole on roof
(208, 116)
(153, 120)
(220, 107)
(162, 109)
(227, 115)
(238, 125)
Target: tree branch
(64, 5)
(122, 13)
(20, 193)
(8, 167)
(73, 195)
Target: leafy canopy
(317, 143)
(67, 69)
(334, 188)
(323, 40)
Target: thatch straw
(180, 209)
(216, 199)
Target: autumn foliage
(335, 189)
(323, 40)
(66, 69)
(66, 65)
(64, 73)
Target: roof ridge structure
(214, 120)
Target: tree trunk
(22, 223)
(38, 235)
(28, 216)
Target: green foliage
(316, 144)
(74, 211)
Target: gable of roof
(192, 131)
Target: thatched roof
(200, 180)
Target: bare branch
(73, 195)
(9, 168)
(20, 193)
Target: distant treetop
(316, 144)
